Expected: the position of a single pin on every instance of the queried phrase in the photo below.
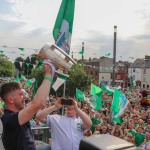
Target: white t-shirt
(66, 132)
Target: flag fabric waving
(59, 81)
(96, 97)
(80, 95)
(81, 52)
(64, 24)
(109, 90)
(107, 54)
(131, 57)
(119, 104)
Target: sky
(29, 24)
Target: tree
(7, 68)
(77, 79)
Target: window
(133, 69)
(118, 77)
(144, 78)
(144, 71)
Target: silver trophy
(61, 60)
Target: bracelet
(48, 78)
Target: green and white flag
(96, 97)
(59, 81)
(80, 95)
(64, 24)
(29, 82)
(109, 90)
(23, 77)
(119, 104)
(17, 79)
(134, 82)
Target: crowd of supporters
(134, 124)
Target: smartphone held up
(67, 102)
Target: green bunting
(107, 54)
(131, 57)
(81, 52)
(22, 49)
(1, 51)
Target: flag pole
(64, 94)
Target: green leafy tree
(7, 68)
(78, 79)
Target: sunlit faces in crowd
(17, 98)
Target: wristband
(48, 78)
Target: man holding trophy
(17, 134)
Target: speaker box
(105, 142)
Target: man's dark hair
(8, 87)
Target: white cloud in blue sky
(29, 24)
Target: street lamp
(114, 55)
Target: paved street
(1, 128)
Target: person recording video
(67, 130)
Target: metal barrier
(41, 133)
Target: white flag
(58, 83)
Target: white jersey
(66, 132)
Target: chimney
(89, 58)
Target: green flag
(40, 62)
(108, 89)
(23, 77)
(81, 52)
(1, 51)
(17, 79)
(119, 104)
(60, 79)
(96, 97)
(134, 82)
(30, 82)
(107, 54)
(79, 94)
(22, 49)
(64, 24)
